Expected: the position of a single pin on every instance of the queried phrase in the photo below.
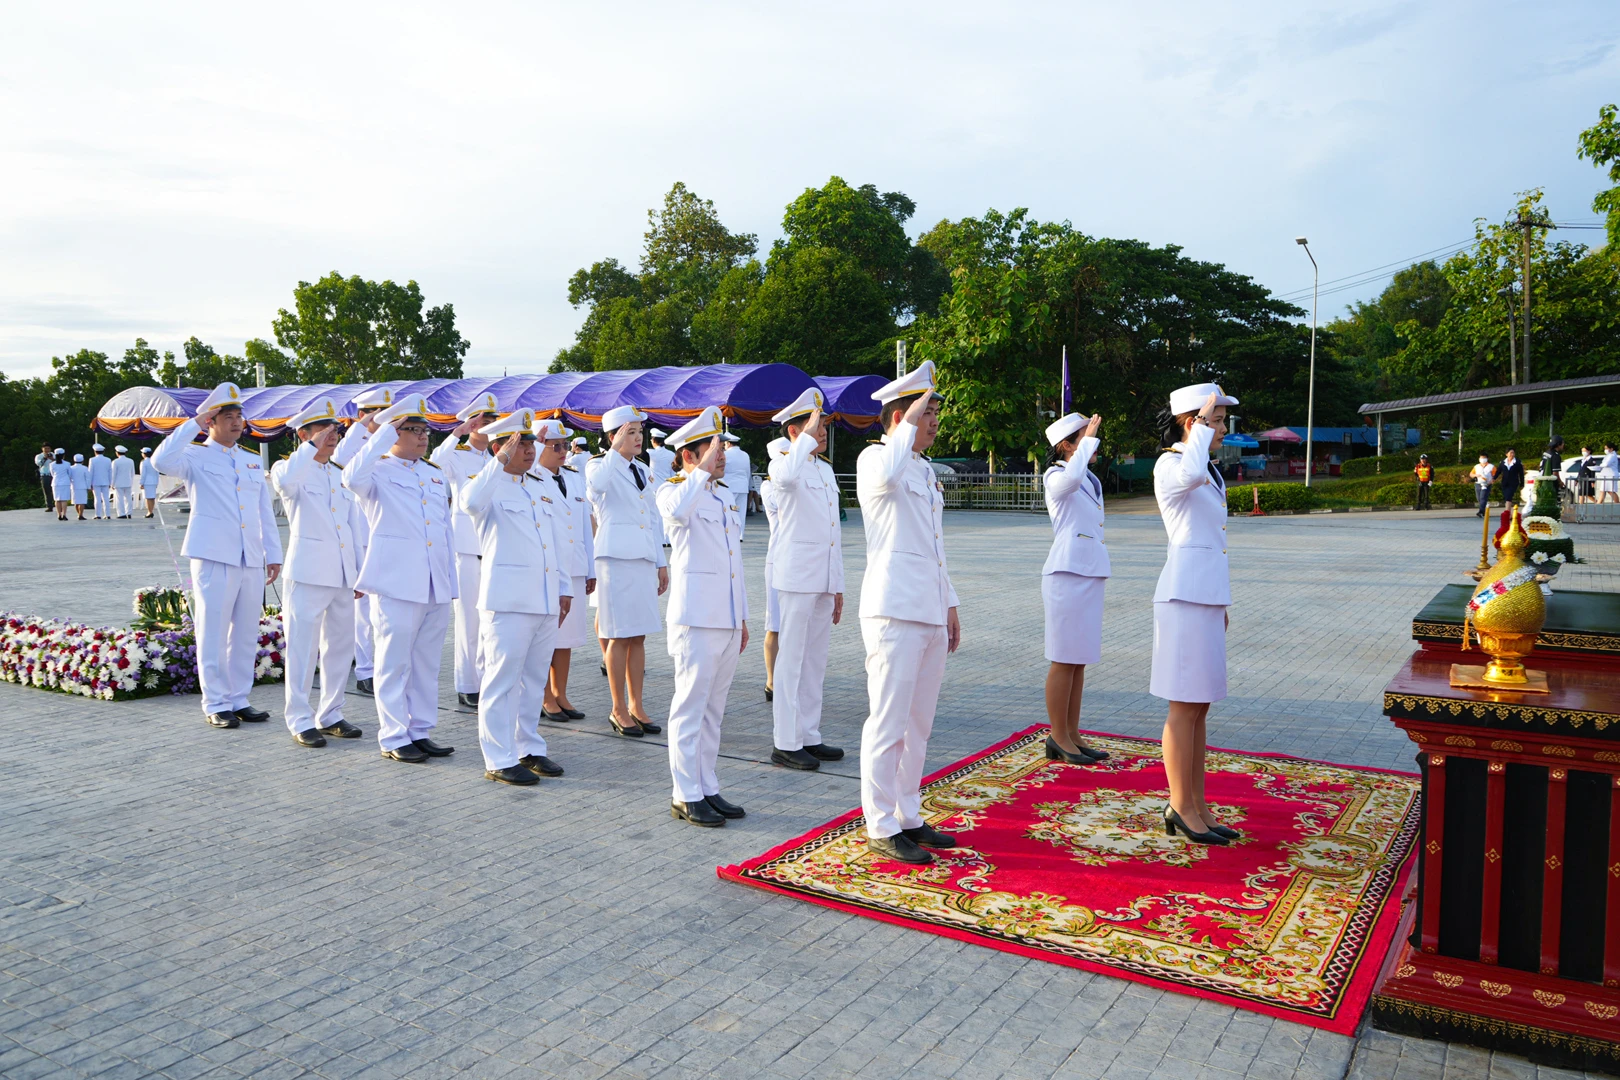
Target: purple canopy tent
(849, 399)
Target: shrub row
(1240, 500)
(1439, 494)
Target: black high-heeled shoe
(632, 730)
(1054, 752)
(1094, 754)
(1172, 822)
(1222, 830)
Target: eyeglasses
(412, 429)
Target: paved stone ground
(177, 901)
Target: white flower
(1559, 557)
(1539, 557)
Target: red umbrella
(1278, 434)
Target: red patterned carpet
(1072, 865)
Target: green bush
(1440, 494)
(1240, 500)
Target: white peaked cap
(145, 451)
(78, 457)
(379, 398)
(704, 425)
(729, 437)
(778, 447)
(323, 409)
(915, 381)
(520, 422)
(1191, 398)
(97, 446)
(478, 406)
(659, 433)
(551, 429)
(411, 405)
(120, 449)
(60, 450)
(616, 418)
(1064, 426)
(226, 393)
(582, 441)
(805, 404)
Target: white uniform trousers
(905, 664)
(801, 667)
(516, 648)
(468, 659)
(363, 652)
(705, 661)
(123, 504)
(410, 641)
(226, 603)
(319, 621)
(103, 500)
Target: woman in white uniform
(1072, 581)
(631, 572)
(1189, 606)
(61, 483)
(773, 613)
(1608, 475)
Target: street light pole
(1506, 293)
(1310, 400)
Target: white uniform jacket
(232, 520)
(149, 478)
(322, 548)
(578, 462)
(627, 525)
(407, 509)
(460, 463)
(738, 468)
(903, 511)
(100, 471)
(1074, 499)
(123, 472)
(517, 535)
(352, 442)
(662, 461)
(807, 550)
(1192, 501)
(573, 521)
(706, 586)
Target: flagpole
(1066, 395)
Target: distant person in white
(461, 462)
(1072, 581)
(773, 615)
(1190, 603)
(101, 482)
(62, 483)
(573, 522)
(524, 593)
(708, 617)
(149, 480)
(123, 479)
(908, 616)
(738, 468)
(1484, 474)
(234, 547)
(1608, 474)
(323, 568)
(409, 574)
(579, 454)
(807, 571)
(367, 406)
(79, 473)
(660, 458)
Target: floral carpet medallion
(1072, 864)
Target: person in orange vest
(1425, 476)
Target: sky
(169, 170)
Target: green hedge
(1439, 495)
(1529, 442)
(1240, 500)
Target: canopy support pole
(264, 446)
(1380, 419)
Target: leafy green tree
(870, 227)
(349, 330)
(1600, 144)
(816, 308)
(715, 328)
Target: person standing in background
(572, 519)
(149, 480)
(738, 469)
(1425, 477)
(43, 462)
(1608, 475)
(460, 465)
(123, 478)
(62, 483)
(79, 473)
(1511, 476)
(579, 455)
(101, 482)
(773, 612)
(1483, 475)
(660, 459)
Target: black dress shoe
(541, 764)
(647, 725)
(1222, 830)
(632, 730)
(223, 719)
(573, 714)
(698, 813)
(432, 749)
(1173, 822)
(341, 730)
(825, 752)
(309, 737)
(554, 717)
(467, 701)
(364, 686)
(1054, 752)
(1094, 754)
(795, 759)
(770, 694)
(603, 666)
(925, 835)
(724, 808)
(408, 753)
(512, 774)
(900, 848)
(250, 715)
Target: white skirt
(1189, 652)
(627, 598)
(577, 630)
(1074, 616)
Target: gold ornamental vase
(1506, 613)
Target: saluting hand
(463, 428)
(1207, 413)
(1092, 427)
(711, 454)
(812, 426)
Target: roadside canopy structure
(1279, 434)
(1242, 442)
(1537, 393)
(748, 395)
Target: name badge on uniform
(579, 498)
(546, 499)
(436, 480)
(253, 464)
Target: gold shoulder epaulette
(425, 461)
(570, 468)
(676, 479)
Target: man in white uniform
(101, 482)
(149, 480)
(367, 406)
(773, 610)
(123, 480)
(573, 521)
(908, 616)
(323, 567)
(737, 468)
(807, 571)
(409, 574)
(233, 546)
(580, 455)
(461, 462)
(708, 616)
(660, 457)
(524, 594)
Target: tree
(818, 309)
(349, 330)
(1600, 144)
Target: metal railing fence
(985, 491)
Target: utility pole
(1310, 400)
(1528, 223)
(900, 359)
(1506, 293)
